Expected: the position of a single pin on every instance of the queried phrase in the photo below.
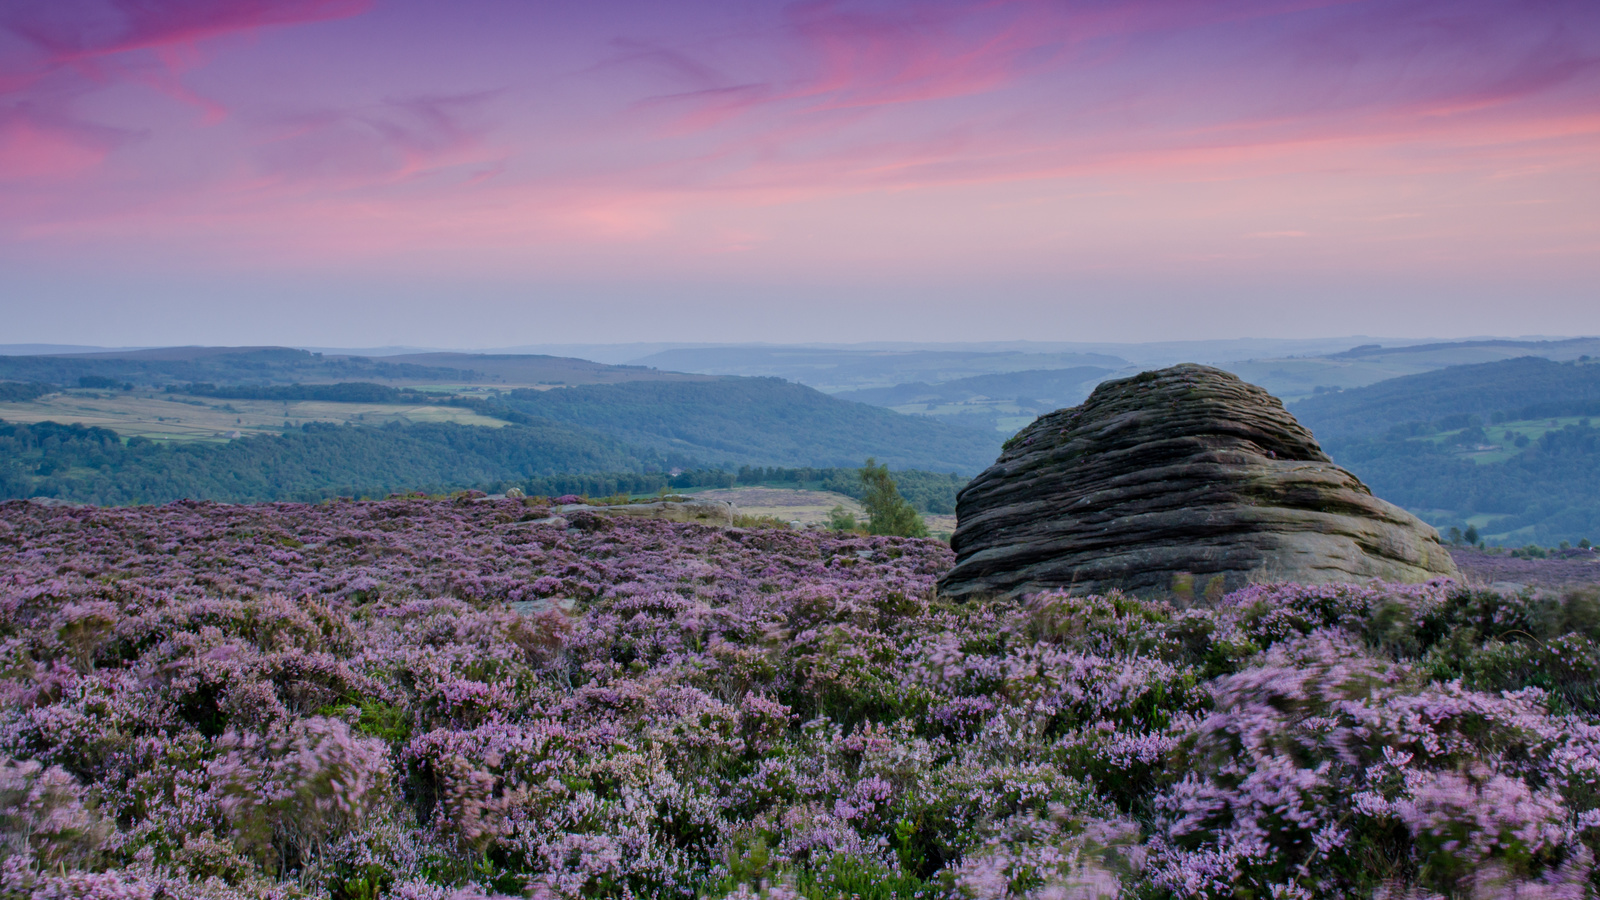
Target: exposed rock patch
(1183, 479)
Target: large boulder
(1182, 480)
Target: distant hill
(1508, 447)
(283, 365)
(1462, 352)
(1046, 389)
(1295, 377)
(835, 370)
(517, 368)
(1525, 388)
(760, 421)
(614, 429)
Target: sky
(498, 172)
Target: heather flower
(432, 700)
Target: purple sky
(496, 172)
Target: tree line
(318, 461)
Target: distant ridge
(1576, 347)
(157, 366)
(55, 349)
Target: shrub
(887, 511)
(428, 699)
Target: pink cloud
(383, 144)
(33, 145)
(150, 42)
(72, 33)
(829, 133)
(28, 150)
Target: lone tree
(887, 511)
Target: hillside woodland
(759, 421)
(1507, 447)
(317, 462)
(624, 435)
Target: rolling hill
(1296, 377)
(1507, 447)
(1525, 388)
(840, 369)
(760, 421)
(624, 427)
(284, 365)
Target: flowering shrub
(464, 699)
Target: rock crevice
(1180, 475)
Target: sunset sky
(496, 172)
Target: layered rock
(1184, 479)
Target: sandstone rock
(1183, 479)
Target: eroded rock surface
(1184, 479)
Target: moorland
(1503, 449)
(473, 698)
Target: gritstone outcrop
(1183, 479)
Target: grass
(1010, 417)
(1504, 435)
(177, 417)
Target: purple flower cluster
(424, 699)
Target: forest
(1505, 446)
(758, 421)
(317, 462)
(1477, 444)
(1525, 388)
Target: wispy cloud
(151, 42)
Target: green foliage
(22, 392)
(103, 383)
(1525, 388)
(759, 421)
(857, 878)
(93, 465)
(887, 511)
(841, 519)
(378, 719)
(342, 392)
(1546, 491)
(1498, 643)
(1036, 390)
(833, 877)
(928, 492)
(744, 520)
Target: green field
(1502, 444)
(179, 417)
